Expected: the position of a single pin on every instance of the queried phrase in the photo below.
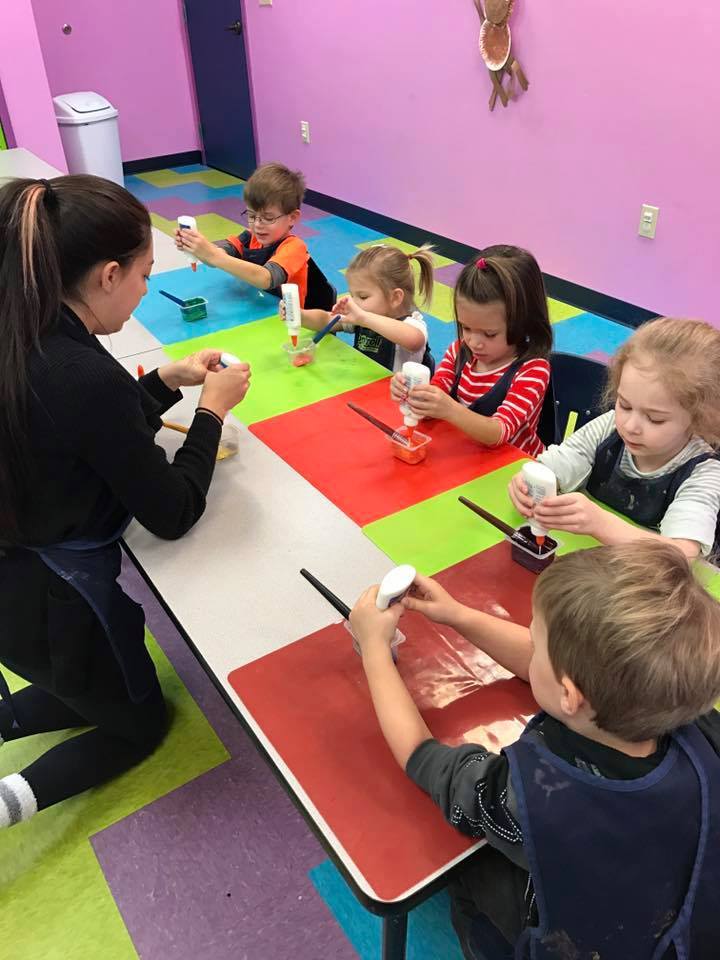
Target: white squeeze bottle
(395, 585)
(188, 223)
(415, 375)
(291, 301)
(541, 482)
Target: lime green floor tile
(406, 248)
(55, 901)
(212, 225)
(442, 303)
(439, 532)
(709, 576)
(170, 178)
(561, 311)
(277, 387)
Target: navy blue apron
(621, 869)
(642, 499)
(92, 568)
(488, 403)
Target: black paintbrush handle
(393, 434)
(497, 522)
(342, 608)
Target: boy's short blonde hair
(637, 633)
(273, 184)
(685, 355)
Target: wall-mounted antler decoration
(496, 49)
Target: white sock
(17, 801)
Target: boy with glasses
(267, 255)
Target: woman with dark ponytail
(78, 460)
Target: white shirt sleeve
(572, 460)
(417, 320)
(693, 513)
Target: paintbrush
(342, 608)
(222, 452)
(510, 532)
(393, 434)
(171, 296)
(326, 329)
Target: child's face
(650, 421)
(546, 688)
(273, 224)
(368, 294)
(483, 327)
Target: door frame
(6, 124)
(242, 16)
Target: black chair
(576, 387)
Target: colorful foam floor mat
(199, 851)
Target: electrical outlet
(648, 221)
(305, 131)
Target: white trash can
(89, 133)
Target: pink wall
(25, 86)
(616, 116)
(134, 53)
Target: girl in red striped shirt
(491, 382)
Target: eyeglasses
(259, 218)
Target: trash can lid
(82, 107)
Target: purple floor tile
(449, 273)
(219, 868)
(312, 213)
(599, 355)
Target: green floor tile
(277, 387)
(406, 248)
(439, 532)
(170, 178)
(55, 901)
(211, 225)
(561, 311)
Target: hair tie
(481, 263)
(50, 198)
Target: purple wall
(25, 86)
(134, 53)
(616, 116)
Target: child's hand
(398, 390)
(429, 598)
(192, 241)
(347, 307)
(430, 401)
(372, 628)
(573, 512)
(523, 503)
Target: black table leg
(394, 937)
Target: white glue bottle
(291, 301)
(395, 585)
(415, 375)
(229, 360)
(188, 223)
(541, 482)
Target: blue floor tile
(587, 332)
(430, 932)
(230, 303)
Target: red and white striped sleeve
(521, 407)
(444, 376)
